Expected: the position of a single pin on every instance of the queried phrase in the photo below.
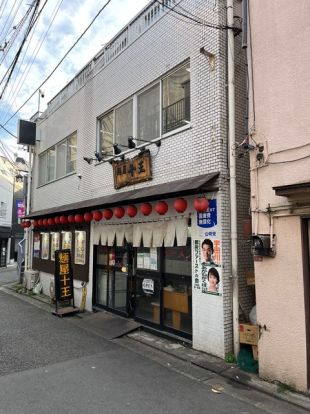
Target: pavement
(223, 375)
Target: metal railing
(176, 115)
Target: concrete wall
(279, 121)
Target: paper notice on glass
(153, 259)
(146, 261)
(140, 260)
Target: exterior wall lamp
(132, 144)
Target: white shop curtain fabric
(152, 234)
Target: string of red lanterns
(201, 204)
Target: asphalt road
(51, 365)
(8, 275)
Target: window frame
(43, 176)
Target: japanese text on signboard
(63, 275)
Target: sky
(59, 25)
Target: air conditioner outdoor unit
(31, 276)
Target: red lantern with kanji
(161, 207)
(201, 204)
(63, 220)
(71, 218)
(119, 212)
(132, 211)
(40, 222)
(146, 209)
(97, 215)
(50, 221)
(78, 218)
(107, 213)
(180, 205)
(57, 220)
(45, 222)
(88, 217)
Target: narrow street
(51, 365)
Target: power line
(61, 60)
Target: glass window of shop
(177, 288)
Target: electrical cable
(6, 22)
(61, 60)
(252, 70)
(14, 92)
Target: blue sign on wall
(209, 217)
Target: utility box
(31, 277)
(249, 334)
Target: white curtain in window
(111, 235)
(120, 234)
(137, 235)
(159, 233)
(96, 237)
(181, 231)
(147, 234)
(148, 114)
(123, 123)
(170, 234)
(129, 233)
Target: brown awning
(292, 189)
(193, 185)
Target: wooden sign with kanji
(132, 171)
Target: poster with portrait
(36, 245)
(55, 242)
(80, 248)
(66, 240)
(45, 246)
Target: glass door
(111, 278)
(148, 286)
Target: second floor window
(58, 161)
(145, 115)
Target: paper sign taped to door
(148, 286)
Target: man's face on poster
(206, 252)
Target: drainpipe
(232, 172)
(27, 230)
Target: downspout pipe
(232, 173)
(27, 230)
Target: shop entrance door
(112, 270)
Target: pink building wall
(281, 59)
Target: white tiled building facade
(152, 46)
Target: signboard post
(64, 294)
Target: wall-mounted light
(117, 149)
(132, 144)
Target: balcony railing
(176, 115)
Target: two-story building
(131, 174)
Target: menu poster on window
(45, 246)
(140, 260)
(80, 248)
(153, 258)
(36, 245)
(66, 240)
(54, 244)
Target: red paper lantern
(180, 205)
(45, 223)
(201, 204)
(146, 209)
(161, 207)
(50, 221)
(71, 218)
(57, 220)
(107, 213)
(119, 212)
(88, 217)
(35, 223)
(27, 223)
(132, 211)
(97, 215)
(63, 219)
(79, 218)
(40, 222)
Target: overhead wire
(59, 63)
(15, 60)
(15, 91)
(9, 21)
